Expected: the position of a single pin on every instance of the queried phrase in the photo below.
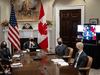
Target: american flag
(13, 33)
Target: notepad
(16, 56)
(57, 60)
(24, 51)
(17, 65)
(63, 63)
(38, 50)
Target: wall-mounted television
(89, 33)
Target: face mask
(4, 46)
(31, 40)
(59, 43)
(77, 49)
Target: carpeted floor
(94, 71)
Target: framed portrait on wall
(94, 21)
(26, 10)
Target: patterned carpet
(94, 71)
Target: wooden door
(69, 19)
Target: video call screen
(88, 32)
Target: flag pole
(13, 46)
(40, 2)
(11, 3)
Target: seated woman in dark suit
(5, 54)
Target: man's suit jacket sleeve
(25, 46)
(84, 60)
(66, 51)
(9, 53)
(56, 50)
(37, 46)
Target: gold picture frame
(94, 21)
(26, 10)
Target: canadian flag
(42, 30)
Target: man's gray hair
(80, 44)
(59, 38)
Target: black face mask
(31, 40)
(4, 46)
(59, 43)
(77, 49)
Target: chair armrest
(84, 68)
(66, 56)
(70, 63)
(1, 72)
(0, 59)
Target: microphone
(47, 70)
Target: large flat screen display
(88, 32)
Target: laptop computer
(32, 49)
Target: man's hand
(27, 50)
(64, 56)
(32, 43)
(10, 60)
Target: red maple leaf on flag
(93, 30)
(42, 28)
(44, 61)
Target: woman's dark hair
(2, 44)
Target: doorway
(67, 19)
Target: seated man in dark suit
(61, 49)
(30, 44)
(81, 58)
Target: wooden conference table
(35, 67)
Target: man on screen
(87, 35)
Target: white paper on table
(24, 51)
(37, 50)
(63, 63)
(57, 60)
(17, 65)
(16, 56)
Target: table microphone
(47, 70)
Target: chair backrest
(70, 50)
(89, 63)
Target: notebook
(37, 58)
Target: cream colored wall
(91, 11)
(4, 15)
